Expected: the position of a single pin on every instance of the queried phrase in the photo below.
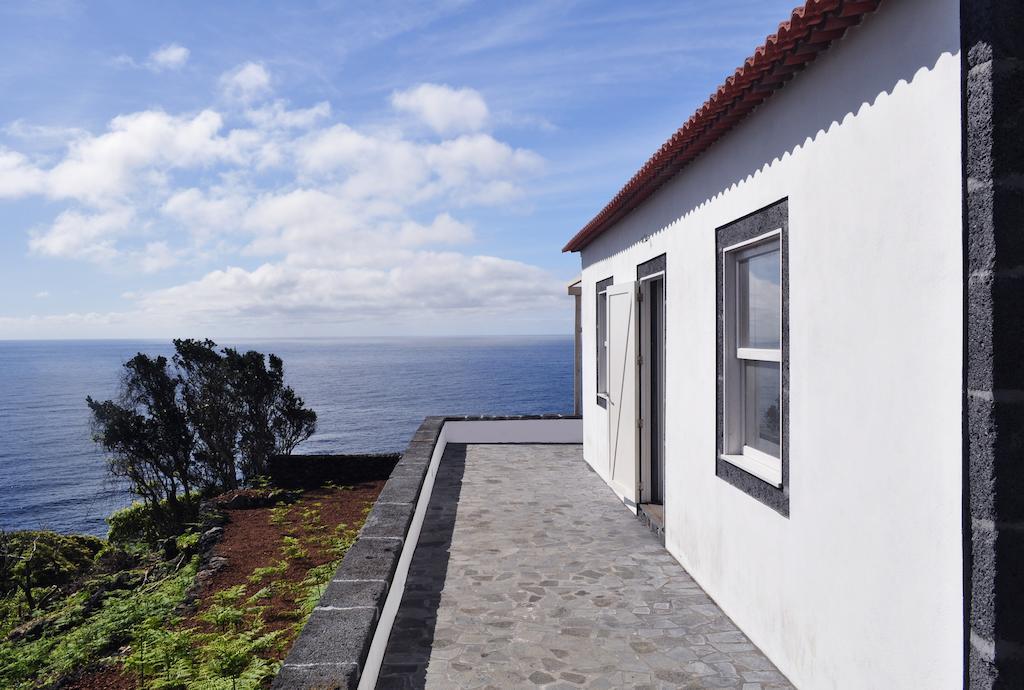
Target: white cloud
(157, 256)
(43, 136)
(42, 294)
(18, 177)
(246, 83)
(169, 57)
(345, 223)
(206, 213)
(277, 116)
(75, 235)
(104, 168)
(442, 230)
(422, 284)
(387, 166)
(444, 109)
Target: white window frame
(602, 345)
(762, 465)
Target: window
(602, 341)
(753, 390)
(753, 366)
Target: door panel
(622, 389)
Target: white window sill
(761, 465)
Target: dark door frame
(651, 474)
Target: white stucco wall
(861, 586)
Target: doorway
(651, 360)
(621, 394)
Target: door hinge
(640, 360)
(639, 295)
(639, 423)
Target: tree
(149, 439)
(31, 559)
(212, 409)
(198, 424)
(293, 422)
(257, 389)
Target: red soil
(109, 678)
(252, 539)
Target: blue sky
(329, 168)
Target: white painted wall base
(515, 431)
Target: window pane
(763, 406)
(760, 291)
(602, 343)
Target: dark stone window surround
(647, 268)
(992, 69)
(753, 225)
(601, 285)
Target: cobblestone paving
(530, 573)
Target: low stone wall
(332, 650)
(303, 471)
(333, 646)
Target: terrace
(516, 567)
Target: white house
(801, 344)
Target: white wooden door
(622, 389)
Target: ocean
(370, 394)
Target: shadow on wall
(412, 637)
(889, 50)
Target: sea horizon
(370, 393)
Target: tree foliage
(202, 422)
(30, 560)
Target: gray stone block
(980, 330)
(995, 445)
(403, 488)
(334, 636)
(983, 582)
(981, 243)
(388, 520)
(416, 471)
(427, 435)
(978, 156)
(323, 677)
(371, 559)
(417, 451)
(351, 593)
(981, 672)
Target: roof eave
(812, 29)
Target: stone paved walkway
(529, 572)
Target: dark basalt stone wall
(992, 54)
(304, 471)
(334, 644)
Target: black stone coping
(992, 60)
(332, 648)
